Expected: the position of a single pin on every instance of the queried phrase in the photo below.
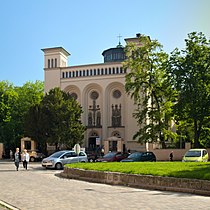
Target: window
(27, 145)
(81, 154)
(69, 74)
(121, 70)
(66, 74)
(87, 72)
(48, 63)
(110, 71)
(51, 63)
(94, 71)
(117, 70)
(55, 62)
(113, 69)
(91, 72)
(63, 75)
(102, 71)
(98, 72)
(105, 70)
(76, 73)
(83, 73)
(80, 73)
(73, 74)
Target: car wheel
(32, 159)
(91, 160)
(58, 166)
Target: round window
(116, 94)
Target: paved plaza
(41, 189)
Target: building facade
(100, 89)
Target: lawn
(191, 170)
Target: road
(41, 189)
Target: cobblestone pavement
(40, 189)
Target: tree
(15, 103)
(148, 84)
(190, 76)
(57, 120)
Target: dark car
(113, 157)
(92, 156)
(140, 156)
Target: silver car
(58, 159)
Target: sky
(85, 28)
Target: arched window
(94, 71)
(113, 70)
(105, 70)
(73, 74)
(80, 73)
(98, 72)
(110, 71)
(91, 72)
(63, 75)
(87, 72)
(51, 63)
(69, 74)
(102, 71)
(66, 74)
(55, 62)
(76, 73)
(117, 70)
(83, 73)
(48, 63)
(121, 70)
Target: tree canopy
(148, 84)
(189, 71)
(14, 104)
(57, 120)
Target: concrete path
(40, 189)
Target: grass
(191, 170)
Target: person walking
(17, 158)
(171, 156)
(25, 159)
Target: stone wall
(194, 186)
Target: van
(196, 155)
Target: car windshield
(193, 153)
(57, 154)
(135, 155)
(110, 154)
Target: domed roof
(116, 54)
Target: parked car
(113, 157)
(35, 155)
(196, 155)
(92, 156)
(140, 156)
(58, 159)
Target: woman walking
(25, 159)
(17, 158)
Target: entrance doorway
(92, 143)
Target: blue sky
(86, 28)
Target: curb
(10, 207)
(192, 186)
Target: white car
(58, 159)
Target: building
(99, 88)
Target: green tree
(148, 84)
(15, 103)
(57, 120)
(190, 76)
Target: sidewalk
(40, 189)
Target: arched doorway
(92, 145)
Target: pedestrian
(25, 159)
(17, 158)
(11, 154)
(171, 156)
